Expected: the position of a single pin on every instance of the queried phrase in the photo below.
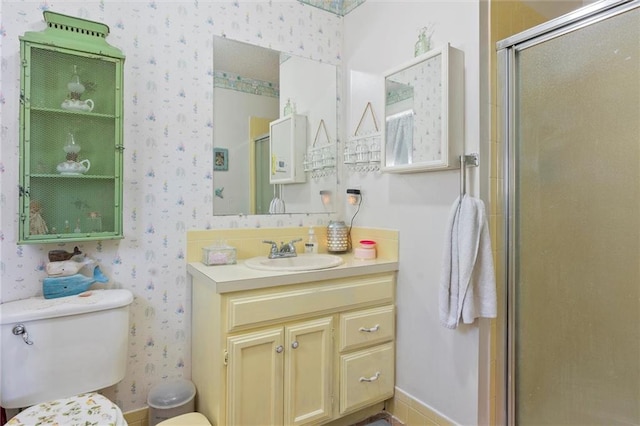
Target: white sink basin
(302, 262)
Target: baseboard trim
(141, 417)
(411, 411)
(137, 417)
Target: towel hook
(466, 160)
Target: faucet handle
(290, 247)
(274, 246)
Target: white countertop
(238, 277)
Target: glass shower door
(574, 190)
(264, 190)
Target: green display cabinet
(71, 139)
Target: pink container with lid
(367, 250)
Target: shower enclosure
(571, 128)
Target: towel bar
(466, 160)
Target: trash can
(170, 399)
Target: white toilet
(56, 353)
(188, 419)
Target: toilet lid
(189, 419)
(83, 409)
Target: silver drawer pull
(370, 330)
(279, 349)
(371, 379)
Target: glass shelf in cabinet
(63, 111)
(75, 237)
(58, 176)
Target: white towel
(468, 282)
(399, 138)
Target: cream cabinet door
(308, 371)
(255, 378)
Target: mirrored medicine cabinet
(424, 113)
(288, 141)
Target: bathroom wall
(233, 108)
(311, 88)
(168, 180)
(437, 368)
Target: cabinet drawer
(323, 297)
(366, 377)
(366, 327)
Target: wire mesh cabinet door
(70, 133)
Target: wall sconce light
(353, 196)
(325, 196)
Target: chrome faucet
(285, 250)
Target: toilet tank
(78, 344)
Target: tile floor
(380, 419)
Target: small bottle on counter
(311, 246)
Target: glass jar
(424, 42)
(337, 236)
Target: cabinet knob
(372, 378)
(295, 344)
(370, 330)
(279, 348)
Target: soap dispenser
(311, 246)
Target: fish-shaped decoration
(54, 287)
(59, 255)
(73, 266)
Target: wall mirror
(252, 86)
(424, 113)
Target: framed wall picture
(220, 159)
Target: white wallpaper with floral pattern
(168, 176)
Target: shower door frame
(506, 78)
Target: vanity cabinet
(366, 356)
(281, 375)
(70, 133)
(307, 353)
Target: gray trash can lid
(171, 394)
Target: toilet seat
(86, 408)
(189, 419)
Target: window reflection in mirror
(251, 87)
